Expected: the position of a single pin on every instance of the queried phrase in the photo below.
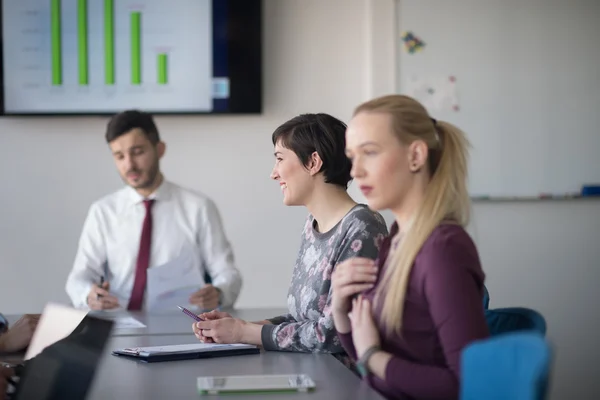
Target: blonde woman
(419, 305)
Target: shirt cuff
(220, 296)
(84, 297)
(277, 320)
(348, 344)
(223, 299)
(395, 367)
(266, 336)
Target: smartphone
(255, 383)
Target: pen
(101, 283)
(190, 314)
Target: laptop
(63, 356)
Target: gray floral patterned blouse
(309, 325)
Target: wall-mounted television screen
(87, 57)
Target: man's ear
(161, 147)
(314, 164)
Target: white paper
(171, 284)
(56, 323)
(127, 323)
(436, 93)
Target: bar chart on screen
(110, 50)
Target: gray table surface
(176, 322)
(120, 378)
(173, 322)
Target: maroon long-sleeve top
(443, 312)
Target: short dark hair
(125, 121)
(324, 134)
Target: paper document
(127, 323)
(120, 321)
(57, 322)
(171, 284)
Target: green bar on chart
(136, 50)
(162, 69)
(109, 42)
(82, 41)
(55, 42)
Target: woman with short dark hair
(313, 171)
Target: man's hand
(100, 298)
(19, 335)
(206, 298)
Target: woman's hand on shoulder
(349, 278)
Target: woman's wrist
(378, 362)
(251, 333)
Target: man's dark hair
(322, 133)
(125, 121)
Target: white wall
(529, 93)
(546, 256)
(319, 56)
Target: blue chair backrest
(514, 366)
(486, 298)
(504, 320)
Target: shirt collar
(163, 192)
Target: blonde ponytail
(446, 197)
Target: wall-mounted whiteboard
(526, 87)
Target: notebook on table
(185, 351)
(210, 385)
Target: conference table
(123, 378)
(176, 322)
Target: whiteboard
(527, 87)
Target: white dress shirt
(183, 221)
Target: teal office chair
(513, 366)
(486, 298)
(512, 319)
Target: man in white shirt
(147, 224)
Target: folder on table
(185, 351)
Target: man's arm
(89, 261)
(217, 255)
(19, 335)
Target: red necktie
(143, 261)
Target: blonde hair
(446, 196)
